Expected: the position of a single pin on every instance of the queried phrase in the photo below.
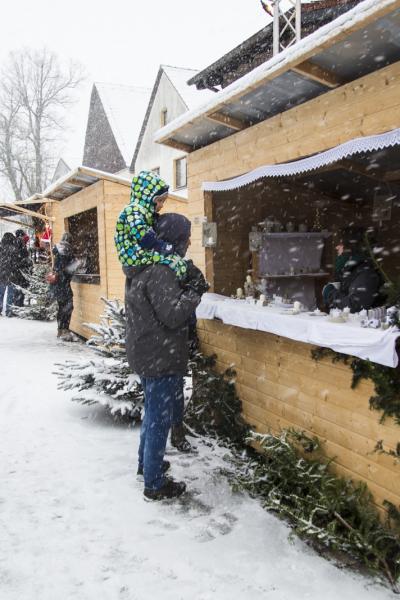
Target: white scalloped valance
(363, 144)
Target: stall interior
(84, 230)
(283, 231)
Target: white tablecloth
(377, 345)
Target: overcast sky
(125, 41)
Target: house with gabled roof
(61, 169)
(170, 98)
(115, 117)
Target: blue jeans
(10, 296)
(160, 395)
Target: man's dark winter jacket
(24, 263)
(63, 261)
(360, 285)
(157, 313)
(8, 262)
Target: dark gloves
(194, 279)
(150, 241)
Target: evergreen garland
(334, 512)
(214, 408)
(385, 379)
(106, 380)
(39, 305)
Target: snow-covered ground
(73, 522)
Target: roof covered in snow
(358, 42)
(259, 47)
(76, 180)
(125, 107)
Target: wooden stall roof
(75, 181)
(355, 44)
(78, 179)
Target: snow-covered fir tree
(39, 304)
(105, 379)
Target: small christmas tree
(106, 380)
(39, 304)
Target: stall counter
(376, 345)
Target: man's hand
(194, 279)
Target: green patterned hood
(144, 189)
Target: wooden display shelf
(296, 234)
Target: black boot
(178, 439)
(170, 489)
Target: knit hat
(352, 237)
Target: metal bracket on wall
(209, 235)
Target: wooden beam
(25, 211)
(178, 145)
(375, 174)
(24, 225)
(28, 202)
(392, 175)
(231, 122)
(316, 73)
(78, 183)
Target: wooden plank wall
(281, 386)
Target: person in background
(65, 265)
(45, 240)
(35, 247)
(157, 313)
(175, 229)
(23, 266)
(8, 273)
(358, 281)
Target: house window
(181, 173)
(85, 240)
(164, 117)
(156, 170)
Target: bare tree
(35, 92)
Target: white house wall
(153, 155)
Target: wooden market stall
(247, 162)
(87, 202)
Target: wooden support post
(209, 252)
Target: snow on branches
(105, 379)
(39, 305)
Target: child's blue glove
(150, 241)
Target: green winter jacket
(135, 239)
